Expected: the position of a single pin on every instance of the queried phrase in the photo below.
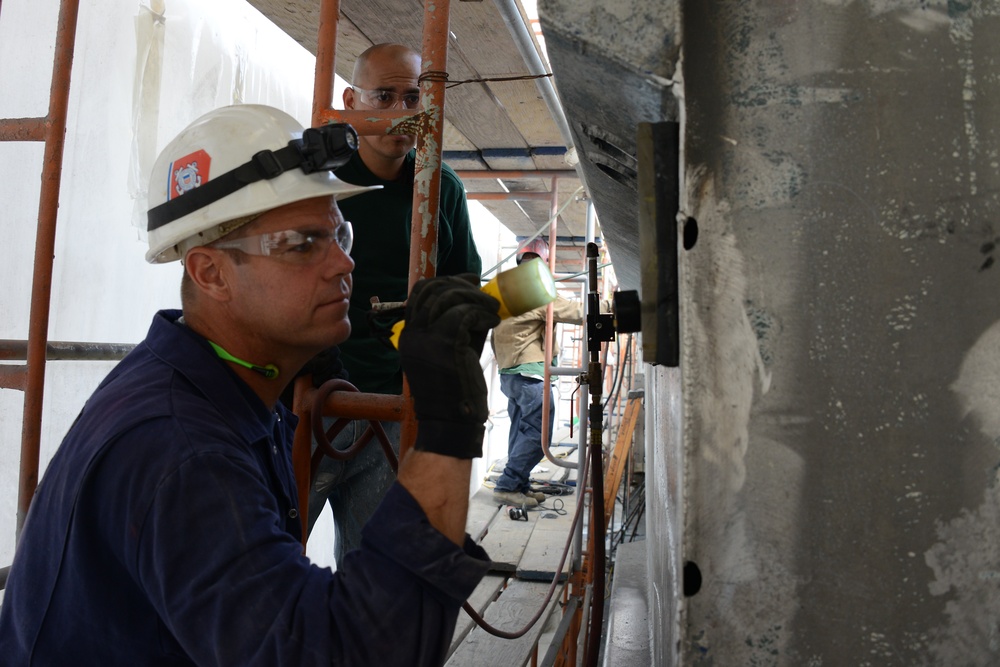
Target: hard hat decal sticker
(187, 173)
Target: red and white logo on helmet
(537, 246)
(187, 173)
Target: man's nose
(338, 261)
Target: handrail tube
(505, 196)
(566, 370)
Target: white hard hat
(236, 162)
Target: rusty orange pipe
(427, 176)
(367, 122)
(358, 405)
(326, 59)
(22, 129)
(45, 241)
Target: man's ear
(210, 271)
(348, 98)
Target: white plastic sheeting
(192, 57)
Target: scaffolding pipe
(359, 405)
(326, 59)
(45, 241)
(505, 196)
(591, 228)
(388, 121)
(509, 174)
(427, 170)
(567, 370)
(549, 333)
(22, 129)
(581, 458)
(17, 350)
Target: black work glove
(447, 319)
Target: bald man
(385, 77)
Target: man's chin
(340, 333)
(332, 320)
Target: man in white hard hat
(165, 530)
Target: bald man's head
(376, 58)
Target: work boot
(515, 498)
(537, 495)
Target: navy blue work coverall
(165, 531)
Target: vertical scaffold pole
(54, 136)
(427, 176)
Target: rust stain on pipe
(427, 176)
(390, 121)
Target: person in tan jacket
(519, 346)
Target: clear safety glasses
(387, 99)
(294, 246)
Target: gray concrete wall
(827, 453)
(842, 333)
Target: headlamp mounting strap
(266, 164)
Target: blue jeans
(353, 488)
(524, 446)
